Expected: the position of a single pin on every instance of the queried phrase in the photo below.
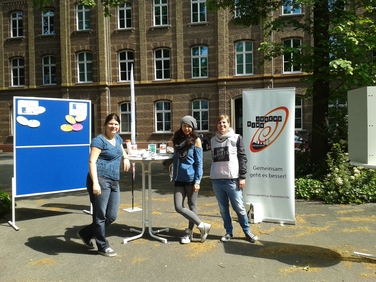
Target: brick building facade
(181, 59)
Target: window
(298, 113)
(49, 70)
(18, 71)
(198, 8)
(125, 16)
(290, 7)
(244, 57)
(16, 24)
(125, 117)
(200, 111)
(48, 23)
(292, 48)
(163, 116)
(162, 64)
(83, 17)
(199, 62)
(85, 68)
(125, 62)
(160, 12)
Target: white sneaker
(108, 252)
(204, 229)
(187, 238)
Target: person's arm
(127, 164)
(198, 164)
(94, 154)
(242, 159)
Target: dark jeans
(105, 210)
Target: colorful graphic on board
(270, 127)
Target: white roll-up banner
(268, 133)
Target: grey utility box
(362, 126)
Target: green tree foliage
(339, 59)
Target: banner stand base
(255, 212)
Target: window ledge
(16, 38)
(162, 132)
(162, 80)
(293, 72)
(17, 86)
(166, 26)
(198, 23)
(289, 15)
(47, 35)
(247, 74)
(83, 31)
(84, 82)
(132, 29)
(48, 85)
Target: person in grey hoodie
(187, 175)
(227, 173)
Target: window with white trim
(48, 22)
(298, 113)
(18, 71)
(200, 111)
(198, 8)
(162, 64)
(85, 67)
(163, 116)
(126, 59)
(125, 117)
(83, 17)
(291, 7)
(292, 47)
(160, 12)
(244, 57)
(199, 61)
(49, 70)
(125, 16)
(16, 24)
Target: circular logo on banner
(269, 128)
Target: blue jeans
(226, 190)
(105, 210)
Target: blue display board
(51, 144)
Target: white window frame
(242, 56)
(125, 117)
(48, 22)
(125, 65)
(200, 111)
(289, 9)
(83, 11)
(198, 11)
(16, 24)
(162, 64)
(160, 10)
(125, 16)
(18, 71)
(163, 116)
(49, 70)
(299, 108)
(287, 61)
(85, 67)
(197, 59)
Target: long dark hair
(179, 137)
(110, 117)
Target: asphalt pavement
(320, 247)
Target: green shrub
(342, 183)
(5, 203)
